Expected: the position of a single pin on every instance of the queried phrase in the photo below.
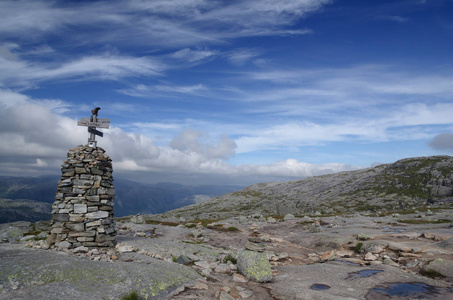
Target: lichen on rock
(254, 265)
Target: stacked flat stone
(82, 214)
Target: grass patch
(193, 242)
(32, 232)
(153, 222)
(230, 258)
(431, 274)
(357, 247)
(412, 221)
(204, 222)
(232, 228)
(131, 296)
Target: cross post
(92, 123)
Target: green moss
(431, 273)
(32, 232)
(411, 221)
(131, 296)
(357, 247)
(230, 258)
(154, 222)
(232, 229)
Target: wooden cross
(92, 123)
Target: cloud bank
(35, 137)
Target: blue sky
(226, 92)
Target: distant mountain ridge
(30, 198)
(406, 184)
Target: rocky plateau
(379, 233)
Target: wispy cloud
(142, 22)
(397, 19)
(22, 72)
(192, 56)
(242, 55)
(145, 91)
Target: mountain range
(31, 198)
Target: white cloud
(192, 56)
(20, 72)
(398, 19)
(178, 22)
(145, 91)
(34, 139)
(242, 55)
(191, 141)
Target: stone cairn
(82, 214)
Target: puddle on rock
(393, 230)
(362, 274)
(414, 290)
(319, 287)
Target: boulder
(446, 244)
(374, 247)
(254, 265)
(138, 219)
(441, 266)
(364, 237)
(288, 217)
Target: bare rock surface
(341, 281)
(38, 274)
(196, 260)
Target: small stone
(200, 285)
(202, 264)
(327, 256)
(97, 215)
(254, 239)
(138, 219)
(80, 208)
(81, 249)
(370, 257)
(364, 237)
(63, 244)
(244, 293)
(258, 247)
(183, 260)
(289, 217)
(222, 268)
(225, 296)
(271, 220)
(126, 248)
(390, 262)
(239, 278)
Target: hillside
(406, 184)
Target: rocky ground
(312, 257)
